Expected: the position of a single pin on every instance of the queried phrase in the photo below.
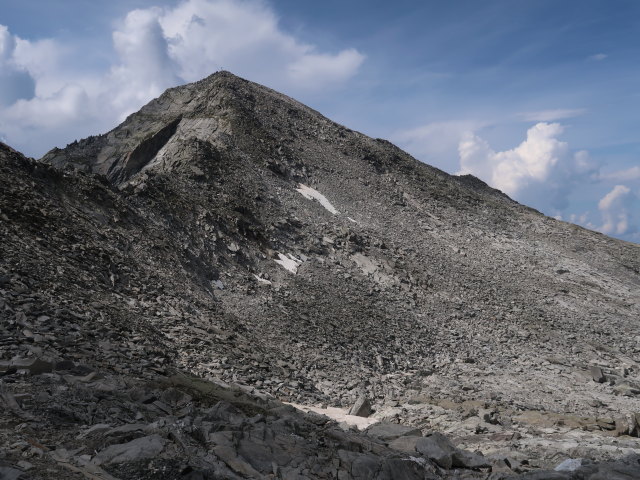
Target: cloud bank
(43, 101)
(544, 172)
(541, 171)
(617, 208)
(15, 81)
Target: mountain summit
(229, 232)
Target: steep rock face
(235, 233)
(421, 267)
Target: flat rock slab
(9, 473)
(438, 448)
(391, 431)
(140, 448)
(362, 408)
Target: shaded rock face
(231, 233)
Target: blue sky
(538, 98)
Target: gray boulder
(391, 431)
(138, 449)
(438, 448)
(362, 408)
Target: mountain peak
(211, 110)
(242, 236)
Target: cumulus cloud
(541, 171)
(145, 69)
(436, 143)
(616, 208)
(46, 112)
(245, 37)
(37, 101)
(15, 81)
(155, 48)
(552, 115)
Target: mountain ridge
(238, 235)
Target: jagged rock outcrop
(229, 232)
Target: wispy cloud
(552, 115)
(627, 175)
(598, 57)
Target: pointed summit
(211, 110)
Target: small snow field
(261, 280)
(311, 194)
(289, 262)
(338, 414)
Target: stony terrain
(164, 287)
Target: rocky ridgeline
(164, 287)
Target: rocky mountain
(166, 286)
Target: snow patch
(289, 262)
(311, 194)
(262, 280)
(338, 414)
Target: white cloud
(598, 57)
(244, 37)
(155, 48)
(317, 69)
(540, 172)
(582, 219)
(63, 106)
(436, 143)
(15, 81)
(616, 208)
(627, 175)
(37, 101)
(552, 115)
(145, 69)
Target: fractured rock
(597, 374)
(35, 366)
(438, 448)
(569, 465)
(138, 449)
(362, 408)
(390, 431)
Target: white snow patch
(338, 414)
(262, 280)
(311, 194)
(289, 262)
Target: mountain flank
(167, 285)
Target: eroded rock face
(229, 232)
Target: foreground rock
(178, 426)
